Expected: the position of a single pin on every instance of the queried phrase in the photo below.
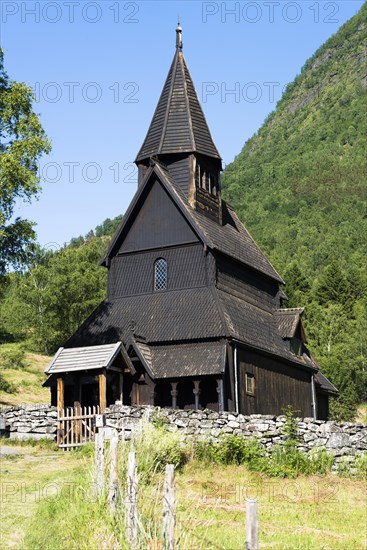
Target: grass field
(40, 512)
(26, 381)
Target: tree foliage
(46, 304)
(22, 142)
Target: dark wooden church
(193, 316)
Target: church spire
(178, 124)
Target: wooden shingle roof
(83, 358)
(178, 124)
(200, 314)
(195, 315)
(185, 359)
(325, 384)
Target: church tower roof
(178, 124)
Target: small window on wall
(250, 383)
(160, 274)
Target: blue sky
(98, 68)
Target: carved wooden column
(174, 394)
(220, 394)
(196, 392)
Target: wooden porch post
(60, 394)
(174, 394)
(102, 391)
(196, 392)
(77, 424)
(60, 409)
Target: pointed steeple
(178, 124)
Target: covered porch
(184, 376)
(88, 376)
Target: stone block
(233, 424)
(338, 440)
(262, 427)
(227, 429)
(309, 437)
(23, 429)
(182, 422)
(45, 430)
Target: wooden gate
(76, 426)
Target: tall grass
(74, 519)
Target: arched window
(160, 274)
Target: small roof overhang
(87, 358)
(288, 320)
(182, 360)
(324, 384)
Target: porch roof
(183, 360)
(84, 358)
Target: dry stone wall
(343, 440)
(29, 422)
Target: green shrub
(287, 461)
(6, 386)
(159, 420)
(205, 450)
(229, 449)
(235, 449)
(284, 460)
(356, 469)
(361, 467)
(156, 447)
(290, 428)
(12, 356)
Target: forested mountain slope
(299, 185)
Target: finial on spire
(179, 35)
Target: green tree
(45, 305)
(333, 286)
(108, 227)
(22, 143)
(297, 286)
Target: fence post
(132, 501)
(99, 462)
(113, 485)
(169, 508)
(252, 525)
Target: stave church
(194, 315)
